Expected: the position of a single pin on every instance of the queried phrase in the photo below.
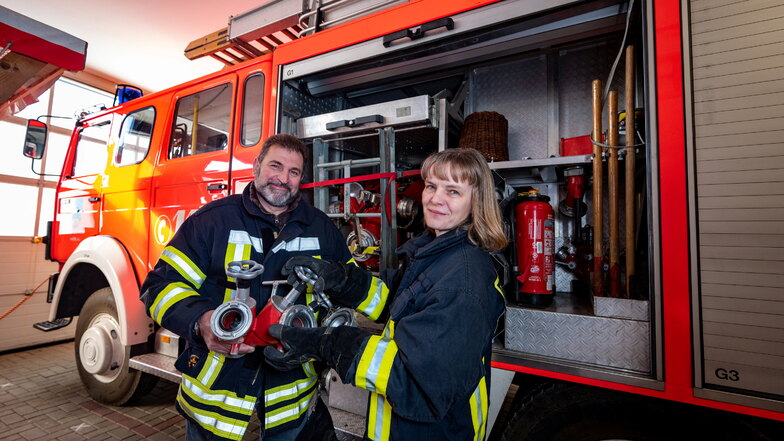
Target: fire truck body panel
(521, 58)
(193, 162)
(111, 258)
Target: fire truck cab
(660, 301)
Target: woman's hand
(301, 345)
(331, 275)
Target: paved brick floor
(42, 398)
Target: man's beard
(277, 198)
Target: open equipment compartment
(372, 121)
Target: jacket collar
(428, 244)
(304, 213)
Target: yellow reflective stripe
(379, 418)
(389, 330)
(375, 300)
(183, 265)
(310, 371)
(288, 413)
(216, 423)
(288, 391)
(224, 399)
(375, 364)
(367, 250)
(478, 403)
(209, 372)
(171, 294)
(498, 287)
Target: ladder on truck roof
(259, 31)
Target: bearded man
(268, 223)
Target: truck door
(251, 125)
(193, 163)
(78, 210)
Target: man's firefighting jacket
(217, 392)
(429, 372)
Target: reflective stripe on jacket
(217, 392)
(428, 373)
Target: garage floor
(42, 398)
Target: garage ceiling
(139, 42)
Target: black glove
(331, 275)
(345, 283)
(337, 346)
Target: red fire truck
(639, 176)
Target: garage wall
(23, 267)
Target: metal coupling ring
(340, 317)
(231, 320)
(300, 316)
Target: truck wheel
(101, 358)
(561, 412)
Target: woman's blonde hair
(484, 226)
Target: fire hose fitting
(233, 319)
(237, 317)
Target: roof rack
(259, 31)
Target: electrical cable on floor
(26, 296)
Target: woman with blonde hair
(428, 373)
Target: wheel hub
(100, 350)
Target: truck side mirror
(35, 139)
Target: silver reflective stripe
(376, 297)
(299, 244)
(294, 389)
(378, 418)
(371, 375)
(289, 412)
(185, 267)
(310, 371)
(480, 419)
(162, 304)
(214, 398)
(210, 371)
(211, 423)
(244, 238)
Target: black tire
(101, 358)
(567, 412)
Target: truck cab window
(201, 123)
(135, 134)
(91, 150)
(252, 108)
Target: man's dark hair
(288, 142)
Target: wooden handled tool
(613, 187)
(598, 234)
(630, 165)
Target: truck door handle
(93, 199)
(334, 125)
(418, 32)
(215, 187)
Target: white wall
(23, 267)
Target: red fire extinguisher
(535, 240)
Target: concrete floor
(42, 398)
